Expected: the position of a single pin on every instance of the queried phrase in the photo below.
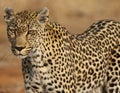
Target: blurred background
(75, 15)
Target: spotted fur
(55, 61)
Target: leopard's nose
(19, 48)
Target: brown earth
(76, 15)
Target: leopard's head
(24, 29)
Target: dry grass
(76, 15)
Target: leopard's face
(24, 30)
(19, 39)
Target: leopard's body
(54, 61)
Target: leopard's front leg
(32, 82)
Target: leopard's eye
(32, 32)
(29, 32)
(11, 34)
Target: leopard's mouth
(21, 54)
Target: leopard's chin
(22, 57)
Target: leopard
(56, 61)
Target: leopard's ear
(44, 15)
(9, 14)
